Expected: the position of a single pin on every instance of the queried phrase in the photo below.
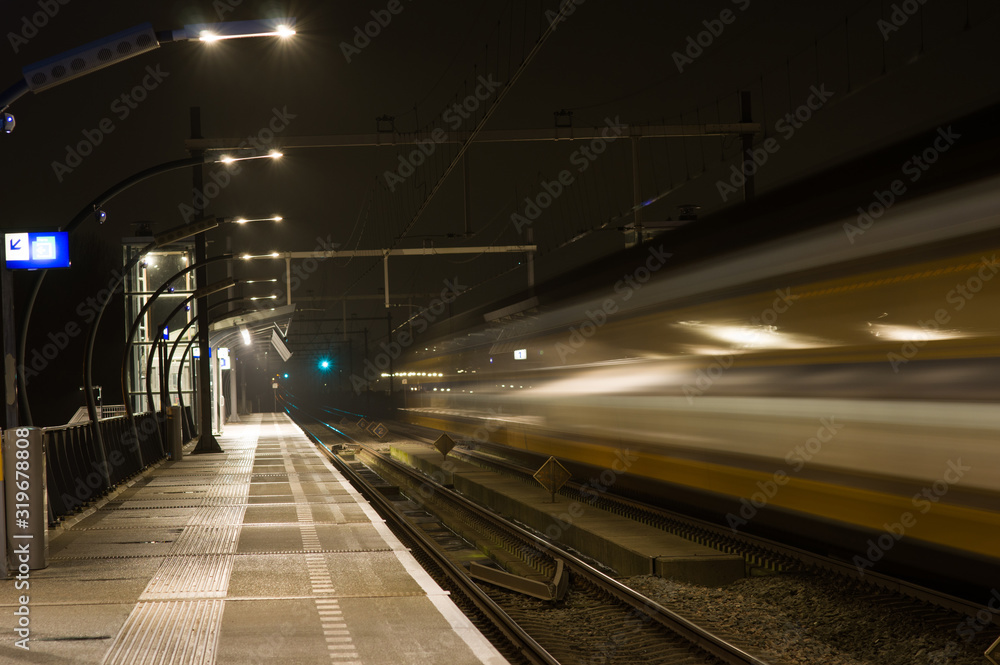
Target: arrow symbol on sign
(15, 244)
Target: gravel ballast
(808, 619)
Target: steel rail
(706, 641)
(523, 643)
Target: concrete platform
(630, 548)
(261, 554)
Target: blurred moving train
(823, 361)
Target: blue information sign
(37, 251)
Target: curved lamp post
(86, 59)
(173, 349)
(126, 384)
(165, 390)
(203, 292)
(87, 212)
(164, 238)
(130, 43)
(187, 348)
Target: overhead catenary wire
(487, 114)
(836, 62)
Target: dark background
(608, 59)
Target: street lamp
(83, 60)
(269, 255)
(241, 220)
(214, 32)
(127, 44)
(229, 159)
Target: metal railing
(105, 411)
(76, 471)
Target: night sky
(886, 70)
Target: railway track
(757, 551)
(624, 626)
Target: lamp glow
(213, 32)
(242, 155)
(271, 255)
(244, 220)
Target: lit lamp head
(282, 28)
(244, 220)
(272, 255)
(242, 155)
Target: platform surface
(261, 554)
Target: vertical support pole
(367, 391)
(5, 567)
(243, 393)
(636, 191)
(343, 316)
(531, 259)
(467, 195)
(206, 440)
(9, 345)
(28, 530)
(9, 391)
(746, 115)
(163, 373)
(234, 416)
(288, 280)
(218, 414)
(180, 393)
(22, 345)
(129, 364)
(229, 271)
(388, 338)
(385, 263)
(350, 356)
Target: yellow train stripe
(959, 527)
